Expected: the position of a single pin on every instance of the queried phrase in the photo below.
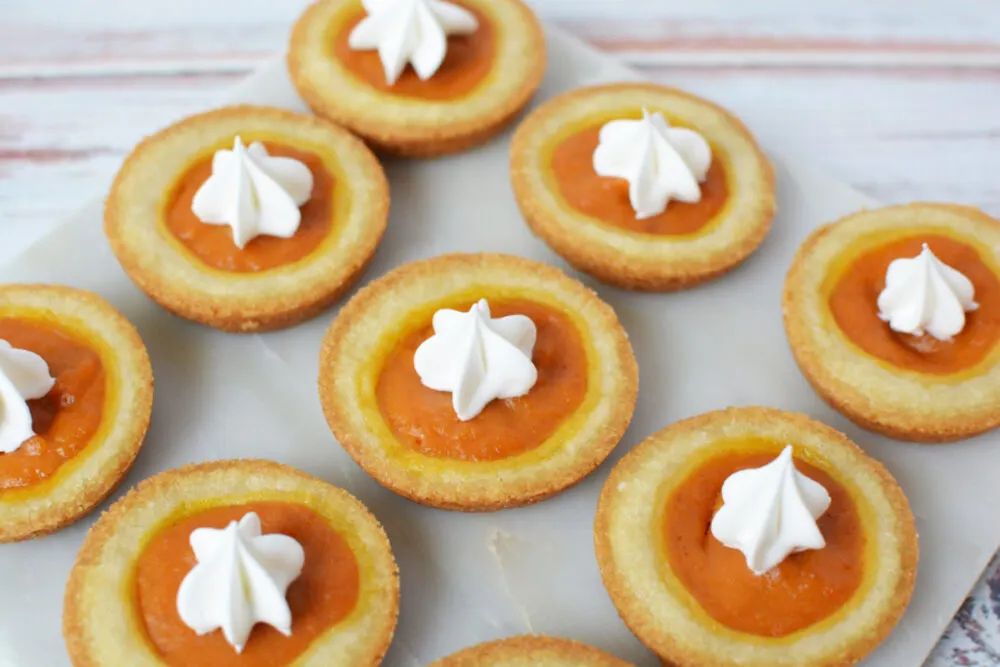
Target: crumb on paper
(501, 544)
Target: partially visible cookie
(531, 651)
(91, 424)
(349, 548)
(487, 77)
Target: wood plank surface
(900, 99)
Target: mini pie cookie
(486, 78)
(907, 387)
(530, 651)
(598, 231)
(196, 270)
(695, 602)
(90, 425)
(124, 559)
(515, 451)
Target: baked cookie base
(414, 127)
(86, 479)
(531, 651)
(663, 615)
(108, 554)
(243, 302)
(899, 403)
(621, 257)
(350, 350)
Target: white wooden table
(899, 98)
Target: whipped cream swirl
(240, 580)
(23, 376)
(477, 358)
(253, 193)
(923, 294)
(770, 512)
(410, 31)
(659, 162)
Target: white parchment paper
(470, 578)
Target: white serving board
(470, 578)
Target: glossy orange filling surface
(854, 305)
(804, 589)
(324, 594)
(607, 200)
(468, 61)
(425, 421)
(213, 244)
(66, 418)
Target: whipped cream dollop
(477, 358)
(23, 376)
(659, 162)
(770, 512)
(254, 193)
(240, 580)
(410, 31)
(923, 294)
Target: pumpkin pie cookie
(477, 381)
(893, 315)
(756, 537)
(233, 563)
(642, 186)
(531, 651)
(418, 77)
(247, 218)
(76, 388)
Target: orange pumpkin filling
(68, 416)
(607, 200)
(804, 589)
(425, 421)
(854, 305)
(213, 244)
(468, 61)
(324, 594)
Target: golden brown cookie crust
(82, 482)
(638, 577)
(413, 127)
(365, 330)
(244, 302)
(902, 404)
(622, 257)
(101, 574)
(531, 651)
